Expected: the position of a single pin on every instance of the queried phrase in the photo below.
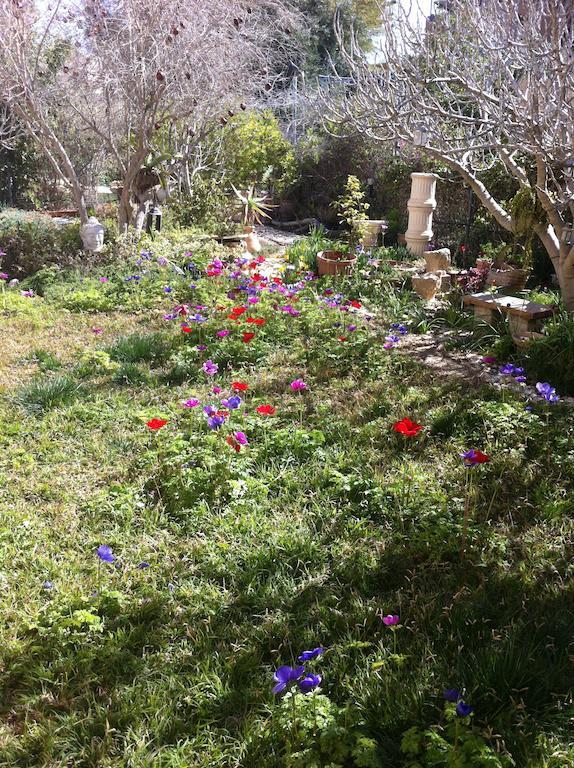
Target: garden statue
(421, 205)
(92, 234)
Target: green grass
(326, 522)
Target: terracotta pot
(335, 263)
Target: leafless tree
(485, 81)
(132, 72)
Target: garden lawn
(229, 560)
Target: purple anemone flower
(309, 683)
(463, 709)
(547, 392)
(210, 368)
(451, 694)
(232, 402)
(215, 422)
(143, 565)
(285, 675)
(105, 553)
(308, 655)
(506, 370)
(391, 620)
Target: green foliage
(206, 207)
(552, 357)
(313, 732)
(149, 347)
(32, 240)
(352, 210)
(455, 745)
(255, 152)
(302, 254)
(45, 393)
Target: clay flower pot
(335, 263)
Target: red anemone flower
(356, 304)
(186, 329)
(156, 423)
(238, 310)
(230, 440)
(342, 338)
(407, 427)
(266, 410)
(239, 386)
(255, 320)
(247, 337)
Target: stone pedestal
(421, 205)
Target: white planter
(92, 234)
(372, 228)
(421, 205)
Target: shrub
(149, 347)
(32, 240)
(253, 147)
(45, 393)
(206, 207)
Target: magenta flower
(210, 368)
(223, 334)
(391, 620)
(388, 345)
(298, 385)
(97, 331)
(3, 276)
(104, 279)
(216, 390)
(241, 438)
(193, 402)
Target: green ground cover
(231, 559)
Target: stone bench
(523, 316)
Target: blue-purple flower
(463, 709)
(309, 683)
(451, 694)
(547, 392)
(232, 403)
(309, 655)
(285, 675)
(105, 553)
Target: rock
(437, 260)
(426, 285)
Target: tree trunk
(125, 213)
